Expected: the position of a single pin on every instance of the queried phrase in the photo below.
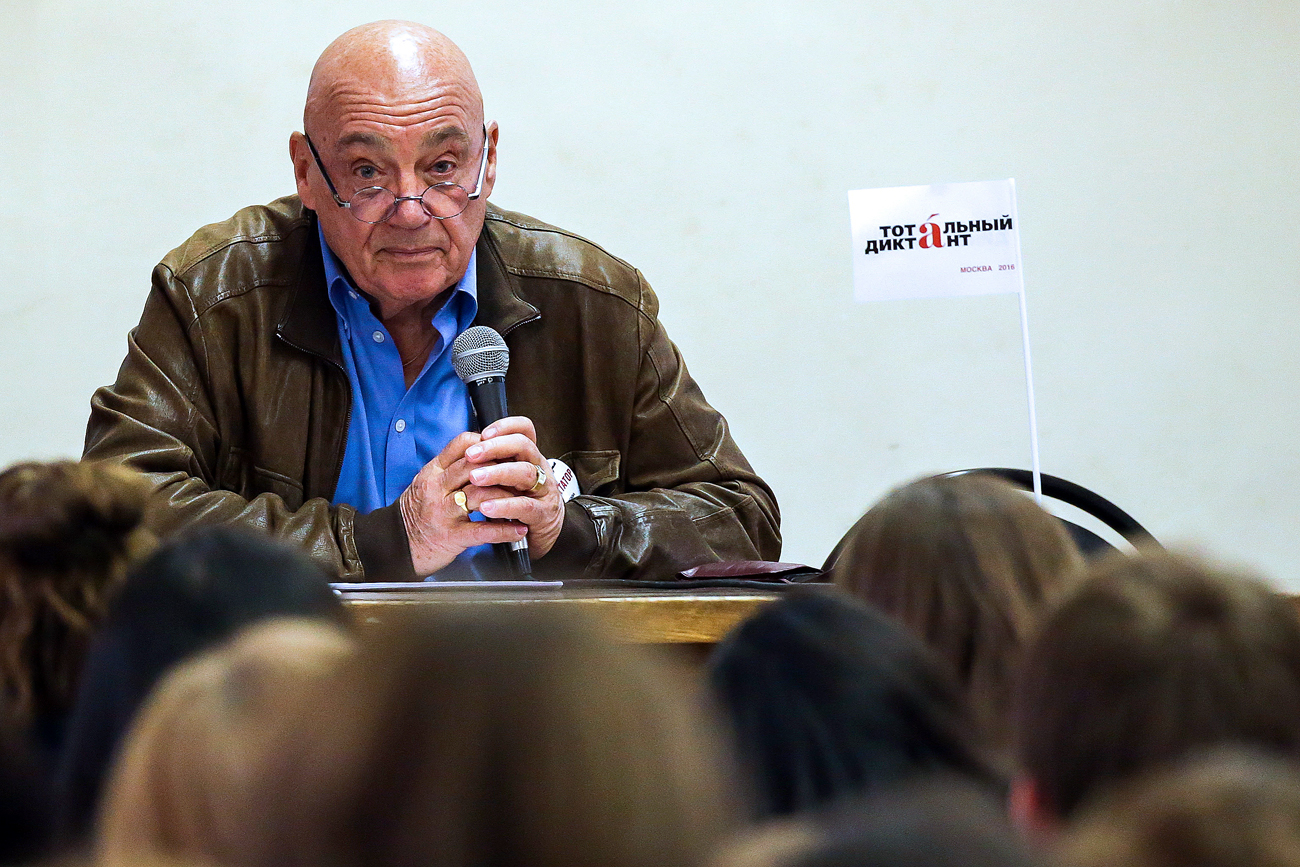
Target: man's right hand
(437, 528)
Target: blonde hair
(68, 533)
(180, 788)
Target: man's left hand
(503, 482)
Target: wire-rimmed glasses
(376, 204)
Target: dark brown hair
(68, 532)
(1153, 657)
(493, 736)
(967, 564)
(930, 821)
(1227, 809)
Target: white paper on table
(935, 241)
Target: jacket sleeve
(688, 494)
(163, 417)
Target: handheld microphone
(481, 358)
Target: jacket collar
(499, 303)
(310, 324)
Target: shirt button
(378, 336)
(401, 425)
(352, 295)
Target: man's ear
(300, 154)
(490, 179)
(1029, 812)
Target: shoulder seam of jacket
(555, 230)
(566, 275)
(189, 261)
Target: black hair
(828, 698)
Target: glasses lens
(372, 205)
(445, 200)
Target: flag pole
(1029, 388)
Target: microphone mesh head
(479, 353)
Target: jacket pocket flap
(594, 469)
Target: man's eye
(367, 173)
(443, 167)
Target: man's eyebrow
(439, 137)
(365, 138)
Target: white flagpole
(1033, 414)
(1035, 467)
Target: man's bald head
(395, 105)
(398, 58)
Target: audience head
(493, 736)
(966, 563)
(830, 698)
(1153, 657)
(935, 822)
(25, 798)
(68, 532)
(194, 592)
(180, 787)
(1228, 809)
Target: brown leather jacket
(233, 398)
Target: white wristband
(565, 480)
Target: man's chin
(401, 287)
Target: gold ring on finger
(459, 498)
(541, 479)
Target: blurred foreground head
(180, 787)
(68, 532)
(1155, 656)
(25, 799)
(193, 593)
(492, 736)
(934, 822)
(1227, 809)
(967, 564)
(830, 698)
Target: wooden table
(698, 616)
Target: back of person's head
(68, 532)
(1154, 656)
(967, 564)
(25, 797)
(1228, 809)
(494, 736)
(179, 789)
(829, 698)
(939, 821)
(194, 592)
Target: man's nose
(409, 213)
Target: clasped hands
(495, 473)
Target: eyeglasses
(377, 204)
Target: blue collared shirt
(393, 431)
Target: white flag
(935, 241)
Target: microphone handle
(489, 399)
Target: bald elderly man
(291, 371)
